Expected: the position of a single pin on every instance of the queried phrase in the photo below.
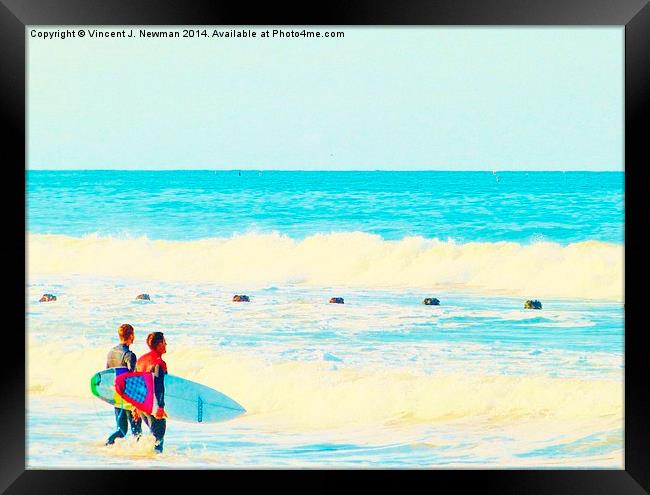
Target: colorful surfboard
(102, 385)
(138, 390)
(185, 400)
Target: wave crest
(317, 395)
(587, 270)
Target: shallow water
(76, 441)
(380, 381)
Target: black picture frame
(633, 14)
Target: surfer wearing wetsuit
(152, 362)
(121, 357)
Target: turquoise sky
(380, 98)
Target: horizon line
(300, 170)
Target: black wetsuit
(153, 363)
(121, 357)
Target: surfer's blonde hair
(124, 331)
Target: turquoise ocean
(379, 381)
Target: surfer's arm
(159, 385)
(130, 361)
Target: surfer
(121, 357)
(152, 362)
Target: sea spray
(587, 270)
(312, 395)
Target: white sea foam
(311, 395)
(585, 270)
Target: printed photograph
(324, 247)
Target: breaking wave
(585, 270)
(315, 395)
